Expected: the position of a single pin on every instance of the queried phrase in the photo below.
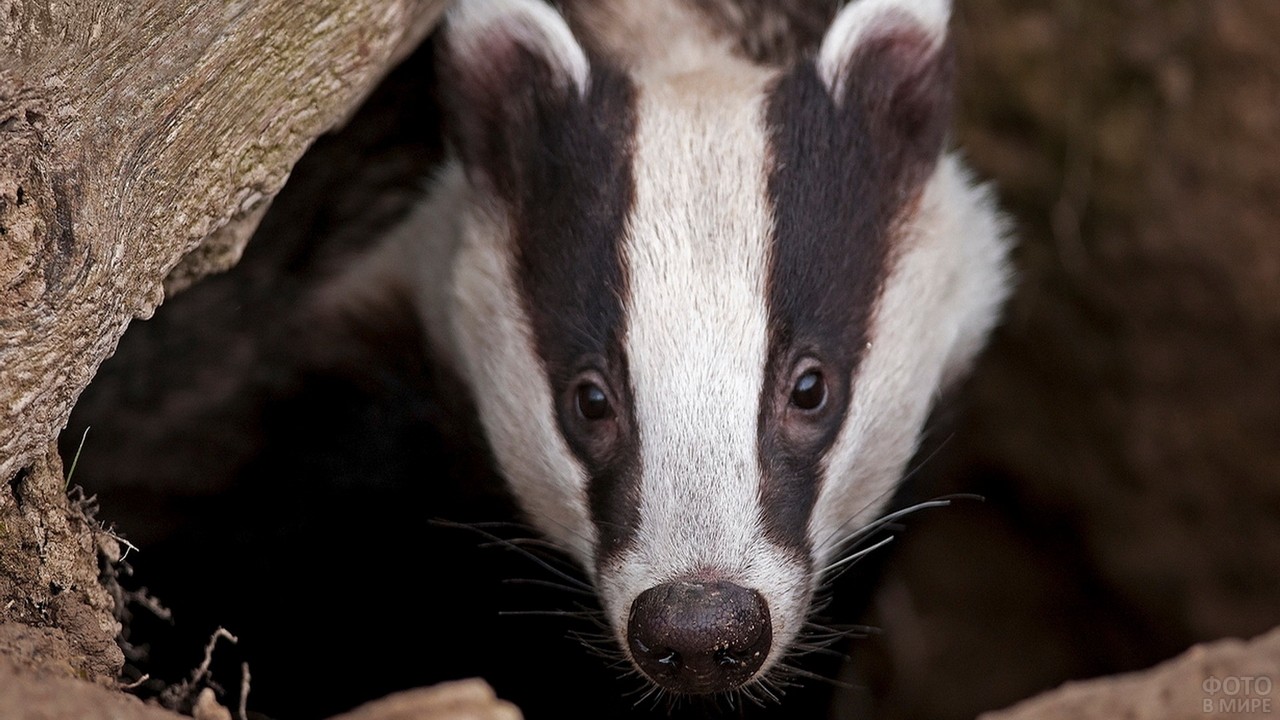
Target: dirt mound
(1225, 679)
(58, 618)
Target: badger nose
(699, 637)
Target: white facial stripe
(653, 39)
(497, 352)
(697, 324)
(696, 340)
(939, 302)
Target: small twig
(127, 545)
(143, 598)
(183, 695)
(244, 690)
(203, 671)
(136, 683)
(76, 459)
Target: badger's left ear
(510, 70)
(892, 60)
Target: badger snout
(699, 636)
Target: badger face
(703, 316)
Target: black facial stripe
(570, 188)
(840, 174)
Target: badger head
(703, 315)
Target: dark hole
(15, 485)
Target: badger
(702, 302)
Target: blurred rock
(1226, 679)
(461, 700)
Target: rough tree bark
(140, 143)
(143, 141)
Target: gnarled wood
(130, 133)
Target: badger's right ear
(508, 68)
(890, 63)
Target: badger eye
(593, 404)
(810, 390)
